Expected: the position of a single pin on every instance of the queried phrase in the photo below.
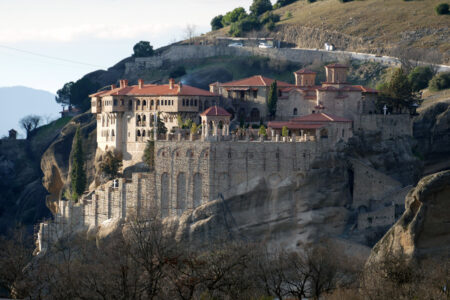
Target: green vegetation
(142, 49)
(50, 128)
(111, 164)
(262, 131)
(149, 154)
(233, 16)
(272, 99)
(216, 22)
(419, 78)
(281, 3)
(440, 82)
(397, 93)
(284, 131)
(442, 9)
(161, 128)
(78, 174)
(194, 128)
(259, 7)
(64, 95)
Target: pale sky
(95, 32)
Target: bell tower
(336, 73)
(305, 77)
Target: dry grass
(382, 21)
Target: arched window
(138, 133)
(112, 132)
(151, 102)
(143, 132)
(164, 195)
(138, 103)
(295, 112)
(165, 102)
(181, 193)
(144, 118)
(144, 103)
(157, 102)
(254, 115)
(197, 189)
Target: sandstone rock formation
(432, 131)
(423, 231)
(55, 162)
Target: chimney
(113, 86)
(120, 83)
(140, 83)
(125, 83)
(180, 85)
(171, 83)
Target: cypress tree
(272, 99)
(78, 174)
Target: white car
(264, 45)
(236, 45)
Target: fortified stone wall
(390, 126)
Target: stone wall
(390, 126)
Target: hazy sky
(95, 32)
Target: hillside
(377, 26)
(22, 101)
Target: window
(144, 103)
(130, 103)
(255, 93)
(192, 102)
(115, 102)
(138, 103)
(143, 132)
(165, 102)
(121, 102)
(195, 102)
(295, 112)
(138, 133)
(172, 102)
(157, 102)
(151, 102)
(183, 102)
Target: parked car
(236, 45)
(264, 45)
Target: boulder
(423, 230)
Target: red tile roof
(305, 71)
(311, 121)
(256, 80)
(155, 90)
(320, 117)
(215, 111)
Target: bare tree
(190, 32)
(29, 123)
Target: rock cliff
(55, 162)
(423, 231)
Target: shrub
(216, 22)
(442, 9)
(149, 154)
(143, 49)
(233, 16)
(270, 26)
(194, 128)
(259, 7)
(248, 24)
(269, 17)
(284, 131)
(262, 131)
(440, 82)
(282, 3)
(419, 78)
(288, 15)
(111, 164)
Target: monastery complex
(193, 168)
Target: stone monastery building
(217, 162)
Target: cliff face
(55, 162)
(432, 131)
(422, 231)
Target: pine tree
(78, 174)
(149, 154)
(272, 99)
(162, 129)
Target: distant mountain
(19, 101)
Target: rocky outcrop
(432, 131)
(423, 231)
(55, 162)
